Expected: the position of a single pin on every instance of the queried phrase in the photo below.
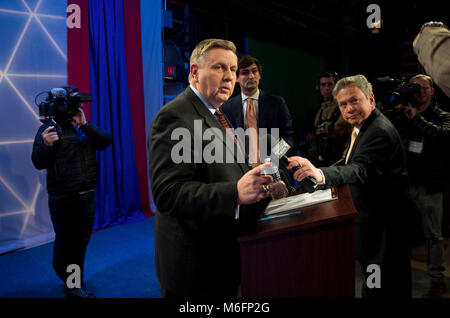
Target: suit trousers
(72, 216)
(430, 206)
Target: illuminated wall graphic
(33, 58)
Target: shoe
(437, 290)
(78, 292)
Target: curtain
(133, 48)
(118, 197)
(151, 24)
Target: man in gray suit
(376, 174)
(202, 204)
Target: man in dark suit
(376, 174)
(271, 111)
(203, 190)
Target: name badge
(415, 146)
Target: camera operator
(425, 130)
(328, 133)
(69, 156)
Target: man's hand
(80, 118)
(49, 137)
(250, 186)
(278, 188)
(306, 169)
(408, 110)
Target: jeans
(72, 216)
(431, 209)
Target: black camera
(390, 93)
(62, 103)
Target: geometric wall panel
(33, 58)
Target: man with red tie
(202, 206)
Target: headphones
(327, 73)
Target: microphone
(286, 181)
(279, 151)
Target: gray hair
(201, 50)
(356, 80)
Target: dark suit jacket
(195, 228)
(272, 113)
(377, 178)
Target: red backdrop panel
(133, 49)
(78, 53)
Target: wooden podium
(306, 255)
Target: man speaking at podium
(374, 168)
(201, 205)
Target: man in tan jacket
(432, 46)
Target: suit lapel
(363, 129)
(210, 121)
(261, 110)
(237, 111)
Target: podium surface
(306, 255)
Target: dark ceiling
(334, 30)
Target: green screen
(290, 74)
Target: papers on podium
(300, 200)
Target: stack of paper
(299, 201)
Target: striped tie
(352, 141)
(253, 125)
(225, 125)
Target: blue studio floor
(119, 263)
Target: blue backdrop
(32, 59)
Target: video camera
(62, 103)
(390, 93)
